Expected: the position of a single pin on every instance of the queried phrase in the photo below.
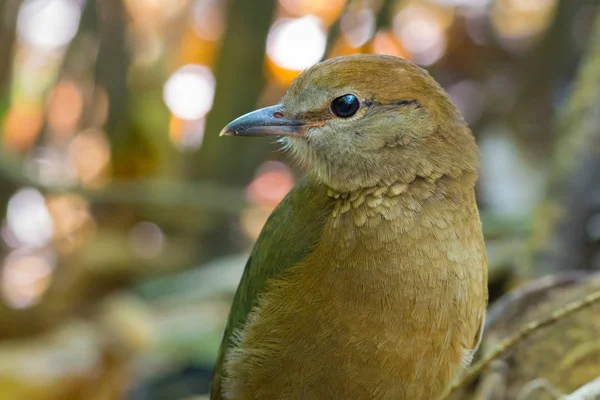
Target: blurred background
(126, 221)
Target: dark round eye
(345, 106)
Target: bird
(369, 279)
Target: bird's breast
(363, 319)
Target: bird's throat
(399, 200)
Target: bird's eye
(345, 106)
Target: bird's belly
(352, 336)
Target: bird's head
(367, 120)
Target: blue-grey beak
(268, 121)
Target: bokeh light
(385, 42)
(8, 236)
(28, 218)
(296, 44)
(272, 182)
(421, 30)
(189, 92)
(22, 125)
(65, 105)
(208, 18)
(342, 47)
(26, 275)
(519, 23)
(358, 26)
(146, 240)
(328, 10)
(89, 153)
(48, 24)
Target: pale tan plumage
(388, 301)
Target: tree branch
(529, 329)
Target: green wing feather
(291, 232)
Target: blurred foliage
(126, 221)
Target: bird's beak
(268, 121)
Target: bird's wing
(290, 233)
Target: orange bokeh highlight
(65, 105)
(196, 50)
(282, 76)
(342, 47)
(176, 127)
(328, 11)
(273, 181)
(22, 126)
(385, 42)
